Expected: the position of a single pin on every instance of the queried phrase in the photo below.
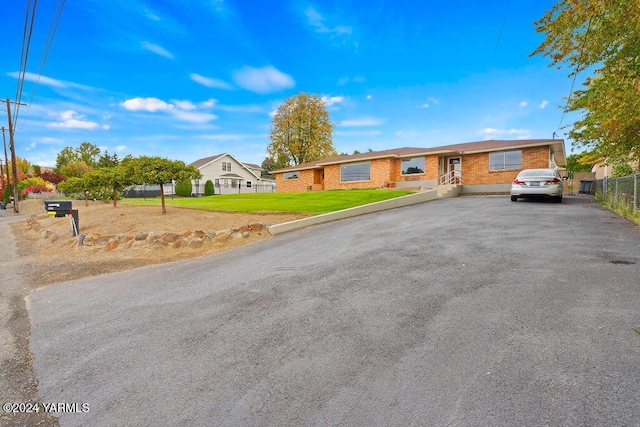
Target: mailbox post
(62, 208)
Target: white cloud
(72, 120)
(210, 82)
(48, 81)
(523, 104)
(185, 105)
(430, 101)
(317, 21)
(193, 116)
(121, 148)
(182, 110)
(159, 50)
(152, 16)
(329, 101)
(209, 103)
(369, 97)
(146, 104)
(366, 121)
(490, 133)
(263, 80)
(544, 104)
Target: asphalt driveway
(469, 311)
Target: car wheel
(558, 199)
(514, 198)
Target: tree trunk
(115, 198)
(164, 208)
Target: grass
(622, 209)
(312, 202)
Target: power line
(53, 27)
(504, 20)
(24, 55)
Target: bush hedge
(208, 188)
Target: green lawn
(312, 202)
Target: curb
(411, 199)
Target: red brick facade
(388, 170)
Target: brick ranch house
(480, 167)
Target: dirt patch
(54, 256)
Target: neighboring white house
(230, 176)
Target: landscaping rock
(104, 239)
(222, 238)
(185, 233)
(141, 236)
(111, 245)
(178, 243)
(170, 237)
(235, 235)
(245, 234)
(199, 234)
(244, 228)
(256, 227)
(210, 234)
(127, 238)
(196, 244)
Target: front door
(455, 169)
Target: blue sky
(189, 79)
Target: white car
(545, 183)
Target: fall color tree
(603, 36)
(157, 170)
(301, 131)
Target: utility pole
(6, 160)
(14, 167)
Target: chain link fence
(620, 192)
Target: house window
(248, 184)
(233, 183)
(292, 175)
(355, 172)
(217, 182)
(224, 166)
(503, 160)
(412, 165)
(228, 167)
(226, 183)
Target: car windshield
(537, 172)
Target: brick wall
(430, 172)
(380, 175)
(295, 185)
(475, 167)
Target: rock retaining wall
(154, 240)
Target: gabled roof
(200, 163)
(557, 145)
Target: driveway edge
(411, 199)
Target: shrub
(183, 188)
(208, 188)
(35, 182)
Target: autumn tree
(113, 178)
(301, 131)
(85, 152)
(157, 170)
(603, 36)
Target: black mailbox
(59, 208)
(62, 208)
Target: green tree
(158, 170)
(575, 163)
(184, 188)
(113, 178)
(209, 189)
(73, 185)
(75, 169)
(603, 36)
(301, 131)
(108, 161)
(85, 152)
